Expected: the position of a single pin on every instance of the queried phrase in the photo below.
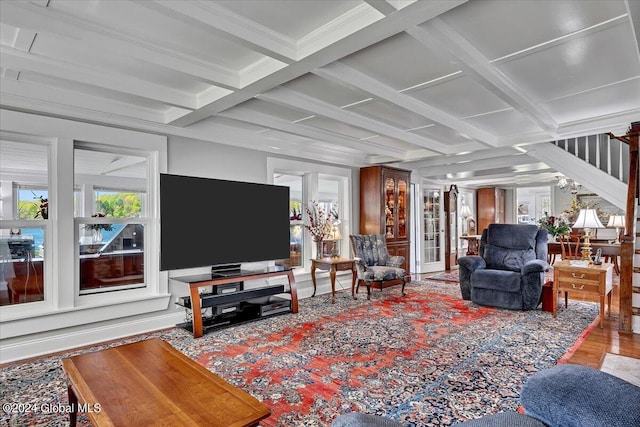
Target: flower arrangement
(98, 227)
(320, 221)
(555, 226)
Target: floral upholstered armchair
(376, 268)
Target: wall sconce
(570, 185)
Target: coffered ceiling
(454, 89)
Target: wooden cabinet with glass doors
(384, 207)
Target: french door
(430, 215)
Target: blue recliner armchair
(508, 271)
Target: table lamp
(334, 236)
(616, 221)
(465, 212)
(587, 219)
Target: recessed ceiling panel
(624, 96)
(460, 97)
(163, 30)
(402, 62)
(338, 127)
(578, 64)
(277, 110)
(326, 90)
(443, 134)
(112, 65)
(391, 143)
(294, 19)
(391, 114)
(504, 122)
(498, 27)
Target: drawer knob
(573, 285)
(577, 277)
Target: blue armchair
(508, 271)
(375, 267)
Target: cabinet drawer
(582, 275)
(579, 285)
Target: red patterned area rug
(426, 359)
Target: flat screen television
(210, 222)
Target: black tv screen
(208, 222)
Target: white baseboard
(23, 349)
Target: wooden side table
(473, 241)
(333, 265)
(587, 280)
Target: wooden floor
(602, 341)
(607, 340)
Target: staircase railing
(603, 151)
(627, 240)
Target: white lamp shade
(616, 221)
(465, 211)
(588, 218)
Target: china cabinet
(384, 207)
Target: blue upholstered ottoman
(503, 419)
(579, 396)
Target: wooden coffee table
(150, 383)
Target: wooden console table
(591, 280)
(334, 264)
(151, 383)
(202, 280)
(473, 241)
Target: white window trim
(61, 307)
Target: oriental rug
(426, 359)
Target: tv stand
(219, 278)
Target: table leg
(354, 275)
(554, 298)
(601, 311)
(313, 277)
(293, 291)
(196, 313)
(73, 403)
(609, 302)
(332, 274)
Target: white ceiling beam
(343, 74)
(19, 60)
(289, 97)
(81, 33)
(437, 35)
(310, 132)
(218, 19)
(386, 27)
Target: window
(112, 223)
(24, 216)
(327, 185)
(296, 227)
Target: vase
(97, 236)
(318, 248)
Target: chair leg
(403, 292)
(566, 299)
(368, 291)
